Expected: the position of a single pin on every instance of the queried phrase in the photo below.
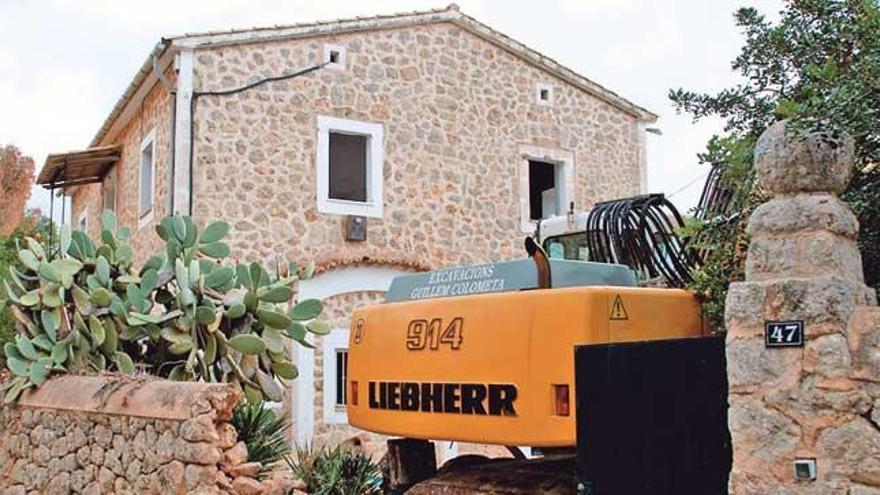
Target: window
(334, 56)
(109, 190)
(543, 200)
(335, 365)
(544, 94)
(146, 179)
(83, 221)
(546, 184)
(341, 377)
(349, 162)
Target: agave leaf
(194, 272)
(285, 370)
(124, 362)
(53, 295)
(101, 297)
(307, 271)
(215, 249)
(102, 271)
(64, 238)
(108, 220)
(130, 333)
(237, 310)
(253, 395)
(35, 247)
(31, 298)
(154, 263)
(48, 272)
(244, 276)
(179, 348)
(214, 232)
(318, 327)
(149, 279)
(270, 387)
(59, 353)
(247, 344)
(28, 259)
(306, 310)
(10, 350)
(276, 294)
(26, 348)
(256, 272)
(219, 277)
(273, 319)
(178, 373)
(297, 331)
(192, 232)
(96, 330)
(274, 340)
(15, 390)
(124, 255)
(40, 370)
(111, 337)
(10, 294)
(181, 273)
(204, 315)
(108, 239)
(43, 342)
(178, 228)
(20, 367)
(210, 349)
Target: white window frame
(544, 87)
(339, 64)
(333, 342)
(149, 140)
(564, 161)
(375, 165)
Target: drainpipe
(172, 127)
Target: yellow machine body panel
(484, 368)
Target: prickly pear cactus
(185, 315)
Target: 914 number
(422, 334)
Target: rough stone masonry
(110, 434)
(820, 401)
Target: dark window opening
(348, 167)
(545, 94)
(341, 377)
(334, 57)
(542, 190)
(110, 191)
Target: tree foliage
(818, 65)
(16, 177)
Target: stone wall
(153, 116)
(456, 112)
(820, 401)
(119, 435)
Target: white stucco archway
(322, 286)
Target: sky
(64, 63)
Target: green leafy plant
(183, 315)
(262, 431)
(337, 471)
(818, 66)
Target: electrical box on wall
(355, 228)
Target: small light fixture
(805, 469)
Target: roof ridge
(452, 7)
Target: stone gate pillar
(817, 403)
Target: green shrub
(184, 315)
(262, 431)
(338, 471)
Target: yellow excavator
(485, 353)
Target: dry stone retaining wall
(99, 435)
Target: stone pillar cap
(788, 161)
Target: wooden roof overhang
(75, 168)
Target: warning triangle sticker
(618, 311)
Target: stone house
(418, 140)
